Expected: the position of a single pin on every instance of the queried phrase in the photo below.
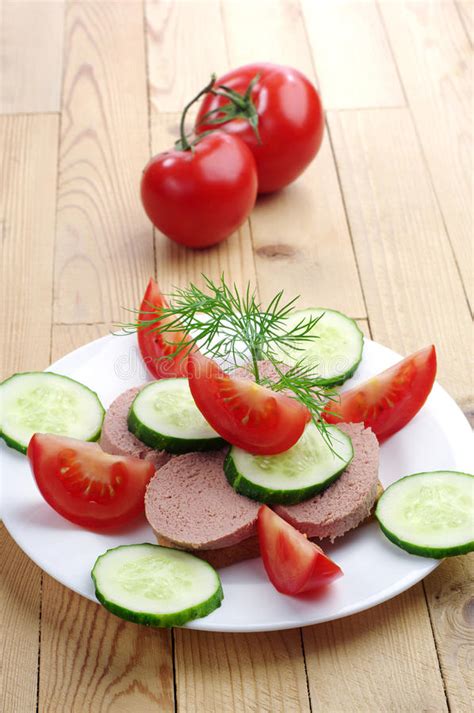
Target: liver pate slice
(265, 369)
(117, 439)
(348, 501)
(190, 504)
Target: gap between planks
(30, 113)
(383, 214)
(27, 211)
(437, 81)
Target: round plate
(439, 437)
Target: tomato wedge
(85, 485)
(293, 563)
(246, 414)
(157, 349)
(388, 401)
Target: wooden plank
(186, 44)
(381, 660)
(396, 226)
(411, 285)
(20, 594)
(351, 54)
(67, 337)
(176, 265)
(300, 237)
(275, 28)
(31, 38)
(364, 326)
(104, 249)
(274, 671)
(466, 13)
(302, 242)
(28, 145)
(91, 660)
(234, 673)
(450, 594)
(434, 58)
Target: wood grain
(408, 273)
(302, 242)
(396, 225)
(28, 145)
(176, 265)
(20, 597)
(104, 251)
(93, 661)
(434, 58)
(90, 659)
(351, 54)
(273, 31)
(199, 681)
(300, 239)
(381, 660)
(466, 13)
(31, 41)
(450, 594)
(401, 179)
(186, 44)
(233, 673)
(364, 326)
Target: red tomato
(388, 401)
(293, 563)
(199, 197)
(290, 120)
(85, 485)
(246, 414)
(157, 349)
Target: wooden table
(379, 227)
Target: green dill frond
(225, 323)
(303, 380)
(228, 325)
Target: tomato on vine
(201, 191)
(275, 110)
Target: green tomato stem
(185, 145)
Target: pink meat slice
(266, 370)
(117, 439)
(348, 501)
(190, 503)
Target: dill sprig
(304, 382)
(224, 323)
(228, 325)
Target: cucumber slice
(156, 586)
(164, 416)
(337, 351)
(44, 402)
(304, 470)
(430, 514)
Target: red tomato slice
(388, 401)
(85, 485)
(157, 349)
(293, 563)
(246, 414)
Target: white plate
(374, 569)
